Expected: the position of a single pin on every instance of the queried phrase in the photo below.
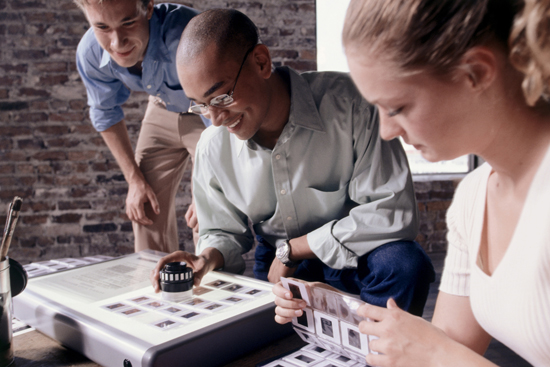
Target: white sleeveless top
(513, 304)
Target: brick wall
(50, 155)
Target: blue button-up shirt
(329, 177)
(108, 85)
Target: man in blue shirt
(132, 45)
(299, 157)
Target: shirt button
(288, 218)
(149, 86)
(283, 192)
(278, 156)
(158, 94)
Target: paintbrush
(11, 222)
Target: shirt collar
(306, 115)
(156, 48)
(303, 110)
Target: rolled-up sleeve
(382, 194)
(106, 94)
(222, 225)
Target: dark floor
(497, 352)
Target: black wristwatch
(283, 254)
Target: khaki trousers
(166, 143)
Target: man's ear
(479, 65)
(150, 8)
(262, 60)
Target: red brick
(31, 117)
(39, 105)
(82, 155)
(29, 54)
(49, 67)
(67, 116)
(14, 130)
(50, 156)
(17, 68)
(53, 130)
(9, 80)
(34, 219)
(54, 79)
(6, 169)
(33, 92)
(41, 17)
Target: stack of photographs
(330, 326)
(206, 300)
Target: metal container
(6, 335)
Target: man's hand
(208, 260)
(197, 263)
(191, 217)
(139, 194)
(287, 307)
(278, 270)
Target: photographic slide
(233, 300)
(279, 363)
(303, 358)
(298, 289)
(254, 292)
(325, 300)
(194, 302)
(172, 310)
(353, 339)
(115, 306)
(233, 288)
(316, 349)
(140, 299)
(191, 315)
(306, 321)
(165, 324)
(342, 360)
(347, 309)
(214, 307)
(218, 283)
(131, 312)
(197, 291)
(307, 337)
(327, 327)
(155, 304)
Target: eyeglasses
(222, 100)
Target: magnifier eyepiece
(176, 281)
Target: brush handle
(11, 222)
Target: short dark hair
(231, 31)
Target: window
(330, 56)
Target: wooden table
(34, 349)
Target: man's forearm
(117, 140)
(300, 249)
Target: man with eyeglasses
(299, 157)
(131, 45)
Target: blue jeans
(401, 270)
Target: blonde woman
(455, 77)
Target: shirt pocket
(327, 205)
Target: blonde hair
(83, 3)
(433, 35)
(530, 49)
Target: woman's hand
(404, 339)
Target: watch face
(280, 252)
